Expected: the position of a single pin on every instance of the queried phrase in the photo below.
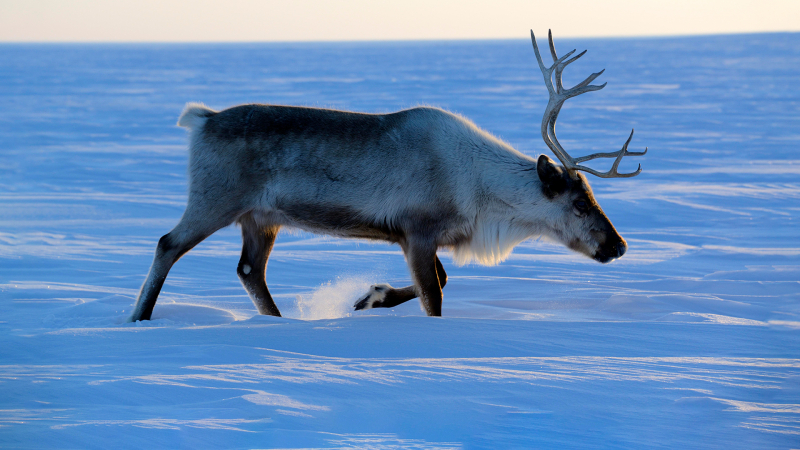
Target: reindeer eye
(581, 205)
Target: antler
(558, 95)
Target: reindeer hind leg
(257, 242)
(195, 225)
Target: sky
(359, 20)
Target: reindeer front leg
(385, 296)
(421, 259)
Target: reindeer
(423, 178)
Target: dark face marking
(611, 249)
(612, 245)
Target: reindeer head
(581, 224)
(578, 221)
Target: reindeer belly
(336, 220)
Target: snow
(691, 340)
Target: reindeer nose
(621, 248)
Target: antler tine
(578, 88)
(612, 173)
(559, 67)
(573, 59)
(548, 71)
(545, 71)
(558, 95)
(558, 63)
(563, 66)
(552, 46)
(589, 79)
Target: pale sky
(321, 20)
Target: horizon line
(398, 40)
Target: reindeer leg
(421, 259)
(195, 225)
(385, 296)
(257, 244)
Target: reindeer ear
(552, 176)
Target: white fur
(194, 116)
(491, 243)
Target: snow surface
(692, 340)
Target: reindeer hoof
(373, 298)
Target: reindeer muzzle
(611, 251)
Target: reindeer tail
(195, 115)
